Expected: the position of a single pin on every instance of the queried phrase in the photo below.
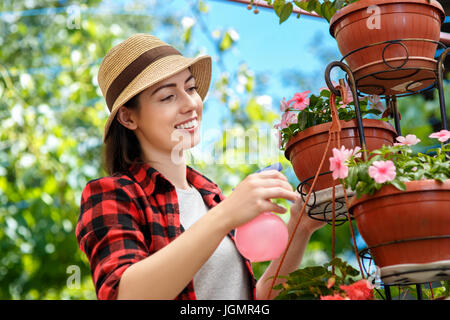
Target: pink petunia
(346, 99)
(360, 290)
(355, 152)
(409, 140)
(283, 105)
(376, 102)
(382, 171)
(335, 84)
(337, 163)
(287, 119)
(300, 100)
(442, 135)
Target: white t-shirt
(224, 276)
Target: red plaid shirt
(126, 218)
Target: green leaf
(441, 177)
(278, 6)
(226, 42)
(398, 184)
(312, 5)
(326, 10)
(352, 178)
(302, 120)
(301, 4)
(286, 12)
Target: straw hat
(141, 61)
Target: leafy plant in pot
(402, 207)
(304, 130)
(388, 44)
(335, 280)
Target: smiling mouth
(188, 125)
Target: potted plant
(368, 33)
(402, 207)
(304, 129)
(320, 282)
(337, 280)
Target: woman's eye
(193, 88)
(167, 98)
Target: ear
(127, 118)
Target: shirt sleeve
(109, 232)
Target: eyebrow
(171, 85)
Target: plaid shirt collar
(148, 178)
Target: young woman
(156, 228)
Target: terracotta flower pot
(391, 216)
(376, 67)
(306, 148)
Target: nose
(188, 102)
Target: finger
(267, 183)
(278, 192)
(272, 174)
(273, 207)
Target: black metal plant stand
(322, 211)
(435, 80)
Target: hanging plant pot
(305, 149)
(368, 34)
(407, 232)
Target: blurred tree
(52, 116)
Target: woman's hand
(307, 224)
(253, 196)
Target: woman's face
(169, 115)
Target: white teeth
(188, 125)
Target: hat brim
(201, 68)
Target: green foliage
(52, 116)
(409, 166)
(324, 8)
(318, 111)
(313, 282)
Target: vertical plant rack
(334, 211)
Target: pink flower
(336, 296)
(348, 98)
(337, 163)
(442, 135)
(376, 101)
(382, 171)
(356, 152)
(409, 140)
(283, 105)
(360, 290)
(300, 100)
(326, 88)
(287, 119)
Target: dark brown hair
(121, 145)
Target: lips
(188, 124)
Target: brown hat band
(134, 68)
